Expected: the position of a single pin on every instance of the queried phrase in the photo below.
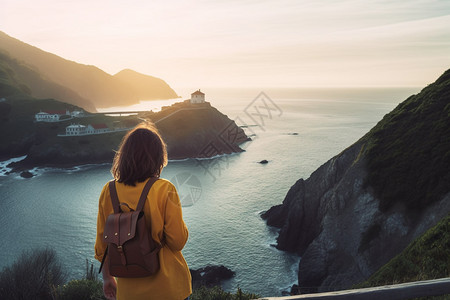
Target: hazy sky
(245, 43)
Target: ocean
(295, 130)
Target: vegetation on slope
(428, 257)
(38, 274)
(19, 132)
(21, 135)
(408, 152)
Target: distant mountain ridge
(89, 82)
(19, 78)
(142, 84)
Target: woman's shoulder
(164, 183)
(105, 187)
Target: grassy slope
(408, 152)
(408, 155)
(428, 257)
(16, 120)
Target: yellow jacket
(173, 280)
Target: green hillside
(428, 257)
(408, 151)
(19, 131)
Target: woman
(142, 154)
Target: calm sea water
(296, 130)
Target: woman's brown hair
(142, 154)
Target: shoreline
(6, 167)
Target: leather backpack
(131, 248)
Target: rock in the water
(264, 161)
(210, 276)
(26, 174)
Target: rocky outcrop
(305, 216)
(197, 131)
(333, 221)
(342, 220)
(210, 276)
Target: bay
(295, 130)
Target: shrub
(217, 293)
(37, 274)
(86, 289)
(34, 275)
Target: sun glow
(251, 43)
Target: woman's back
(142, 154)
(163, 210)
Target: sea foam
(4, 170)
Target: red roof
(99, 126)
(197, 93)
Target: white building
(50, 115)
(97, 128)
(197, 97)
(75, 129)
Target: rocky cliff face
(334, 219)
(198, 131)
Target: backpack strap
(103, 260)
(116, 206)
(114, 197)
(144, 193)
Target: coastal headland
(189, 130)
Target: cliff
(365, 205)
(197, 131)
(85, 82)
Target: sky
(244, 43)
